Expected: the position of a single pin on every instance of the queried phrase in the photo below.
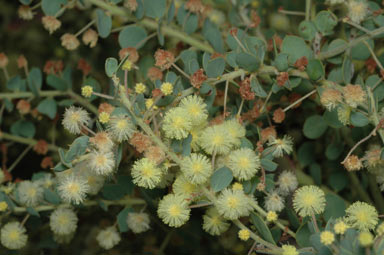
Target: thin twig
(299, 100)
(19, 158)
(85, 28)
(374, 55)
(225, 98)
(292, 12)
(181, 71)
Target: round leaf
(132, 36)
(314, 127)
(221, 179)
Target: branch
(23, 140)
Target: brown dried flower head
(198, 78)
(354, 95)
(23, 106)
(140, 141)
(46, 162)
(353, 163)
(164, 59)
(90, 38)
(105, 107)
(131, 5)
(282, 78)
(41, 147)
(84, 66)
(155, 74)
(268, 133)
(53, 67)
(195, 6)
(330, 98)
(69, 41)
(25, 12)
(22, 62)
(155, 154)
(245, 90)
(301, 63)
(132, 53)
(278, 115)
(50, 23)
(3, 60)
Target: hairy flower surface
(30, 193)
(50, 23)
(166, 88)
(13, 236)
(102, 163)
(177, 123)
(274, 202)
(233, 204)
(108, 238)
(138, 222)
(357, 10)
(102, 141)
(73, 189)
(235, 130)
(340, 227)
(287, 182)
(146, 174)
(327, 237)
(197, 168)
(214, 223)
(183, 187)
(365, 238)
(216, 139)
(244, 234)
(281, 146)
(63, 221)
(69, 41)
(173, 210)
(196, 108)
(120, 128)
(309, 200)
(361, 216)
(271, 216)
(330, 98)
(354, 95)
(74, 119)
(289, 250)
(140, 88)
(244, 163)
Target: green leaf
(77, 148)
(103, 23)
(122, 219)
(51, 197)
(171, 12)
(111, 66)
(155, 8)
(334, 150)
(60, 167)
(23, 128)
(191, 23)
(268, 164)
(338, 180)
(247, 61)
(26, 2)
(337, 43)
(48, 107)
(35, 80)
(132, 36)
(221, 179)
(325, 22)
(262, 228)
(57, 82)
(215, 67)
(307, 30)
(335, 207)
(305, 153)
(315, 171)
(302, 235)
(33, 212)
(113, 191)
(51, 7)
(16, 84)
(358, 119)
(281, 62)
(187, 146)
(348, 70)
(296, 48)
(361, 51)
(314, 127)
(257, 88)
(332, 119)
(315, 69)
(213, 35)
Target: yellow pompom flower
(104, 117)
(216, 139)
(289, 250)
(244, 234)
(309, 200)
(340, 227)
(173, 210)
(196, 108)
(86, 91)
(121, 128)
(74, 119)
(13, 236)
(357, 10)
(271, 216)
(235, 130)
(127, 66)
(233, 204)
(380, 229)
(362, 216)
(183, 187)
(140, 88)
(327, 237)
(146, 174)
(197, 168)
(214, 223)
(177, 123)
(244, 163)
(149, 103)
(166, 88)
(237, 186)
(365, 239)
(3, 206)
